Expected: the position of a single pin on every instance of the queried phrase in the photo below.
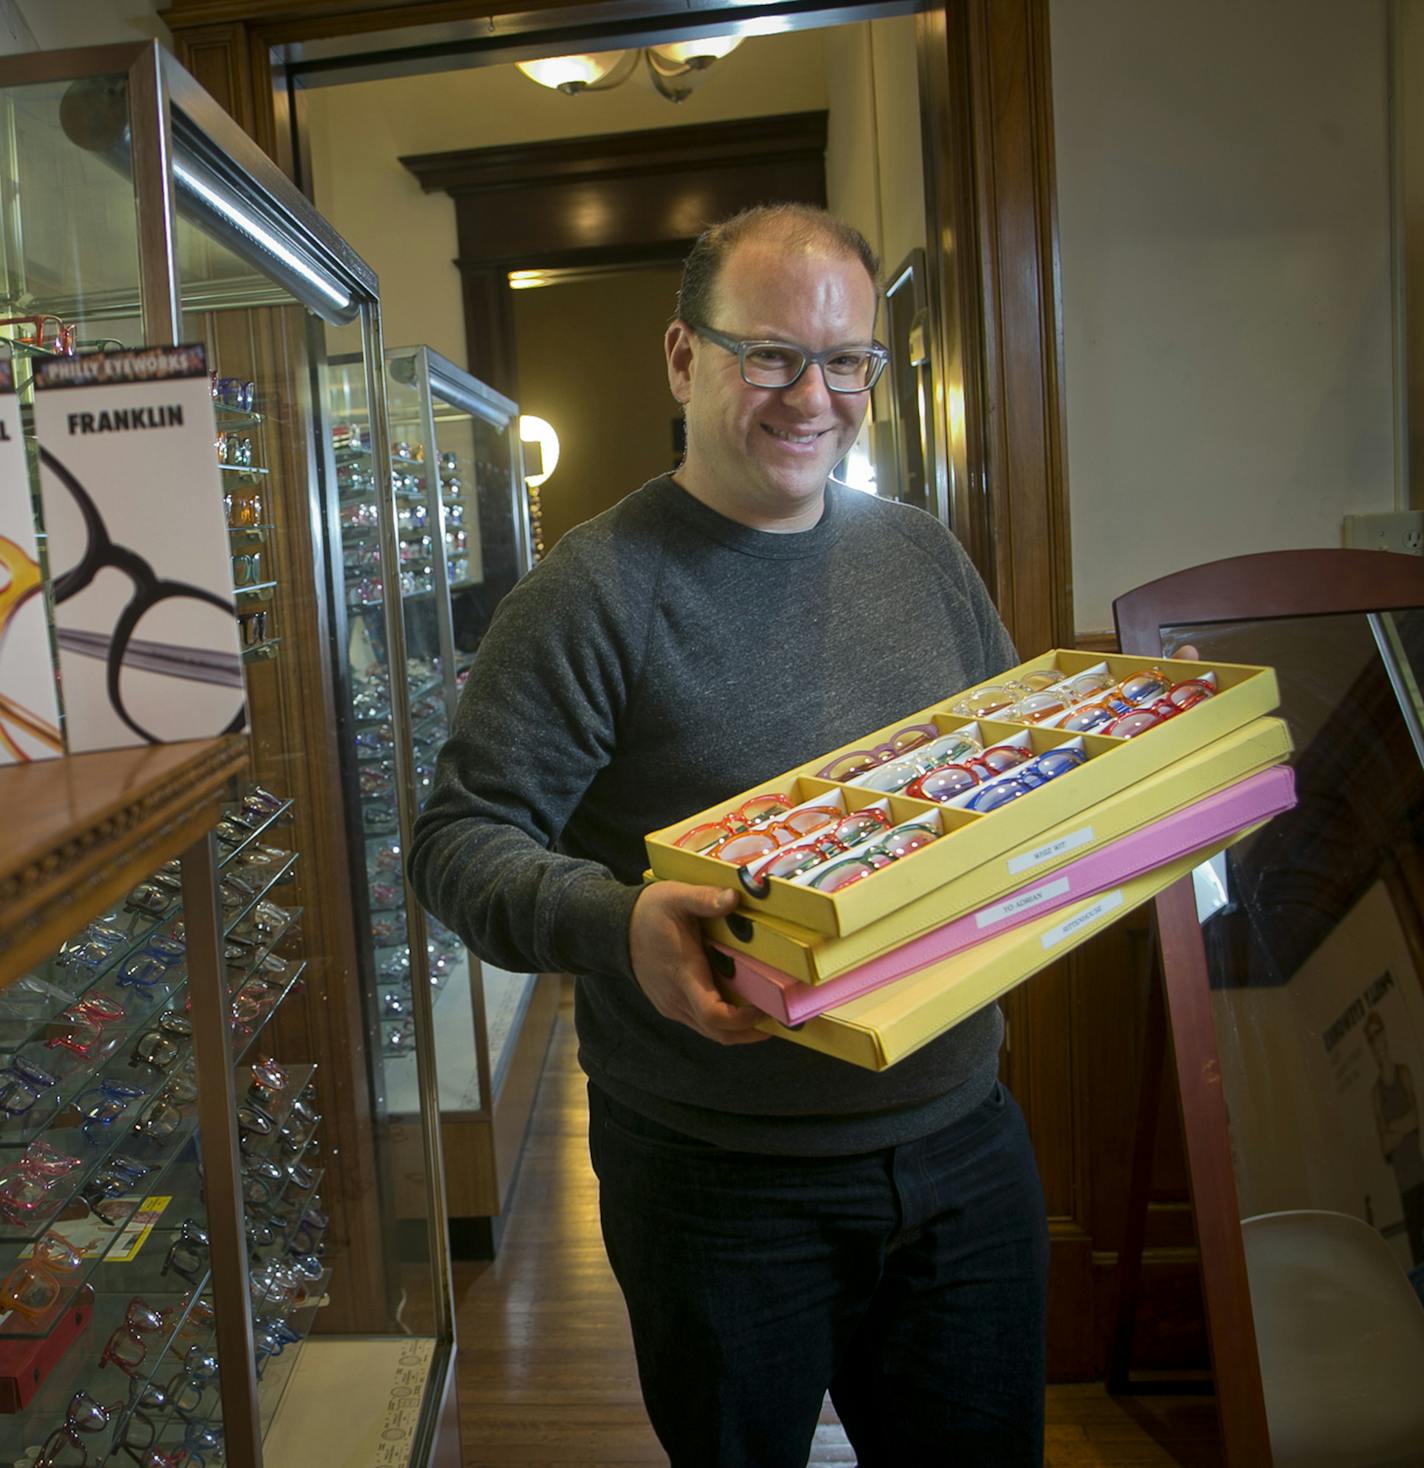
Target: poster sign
(29, 708)
(138, 548)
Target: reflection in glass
(1316, 936)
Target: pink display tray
(1244, 804)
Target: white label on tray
(1020, 902)
(1040, 854)
(1056, 935)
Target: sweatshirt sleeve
(536, 721)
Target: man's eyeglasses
(780, 364)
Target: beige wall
(874, 168)
(358, 132)
(864, 74)
(1224, 216)
(591, 362)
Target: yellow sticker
(137, 1229)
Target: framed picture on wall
(907, 478)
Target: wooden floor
(546, 1373)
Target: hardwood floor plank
(546, 1371)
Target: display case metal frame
(480, 1147)
(440, 384)
(186, 155)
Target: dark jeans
(909, 1281)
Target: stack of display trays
(804, 936)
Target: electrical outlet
(1401, 531)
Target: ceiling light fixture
(673, 68)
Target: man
(780, 1222)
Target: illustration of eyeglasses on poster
(138, 549)
(29, 712)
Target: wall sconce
(672, 68)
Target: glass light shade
(572, 73)
(693, 53)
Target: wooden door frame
(996, 350)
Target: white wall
(1224, 218)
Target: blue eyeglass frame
(1025, 779)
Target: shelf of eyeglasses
(245, 471)
(282, 1127)
(158, 1352)
(362, 534)
(94, 953)
(257, 1000)
(81, 1395)
(40, 1275)
(134, 1252)
(300, 1278)
(43, 1084)
(230, 417)
(173, 1404)
(256, 591)
(365, 494)
(278, 1368)
(382, 712)
(371, 600)
(241, 536)
(279, 1232)
(371, 746)
(268, 930)
(242, 822)
(245, 955)
(242, 894)
(262, 652)
(112, 1167)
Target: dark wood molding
(1011, 113)
(669, 153)
(606, 199)
(1096, 642)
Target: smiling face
(759, 455)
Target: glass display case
(460, 538)
(137, 212)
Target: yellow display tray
(813, 958)
(971, 838)
(882, 1027)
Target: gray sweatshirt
(662, 659)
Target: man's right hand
(665, 944)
